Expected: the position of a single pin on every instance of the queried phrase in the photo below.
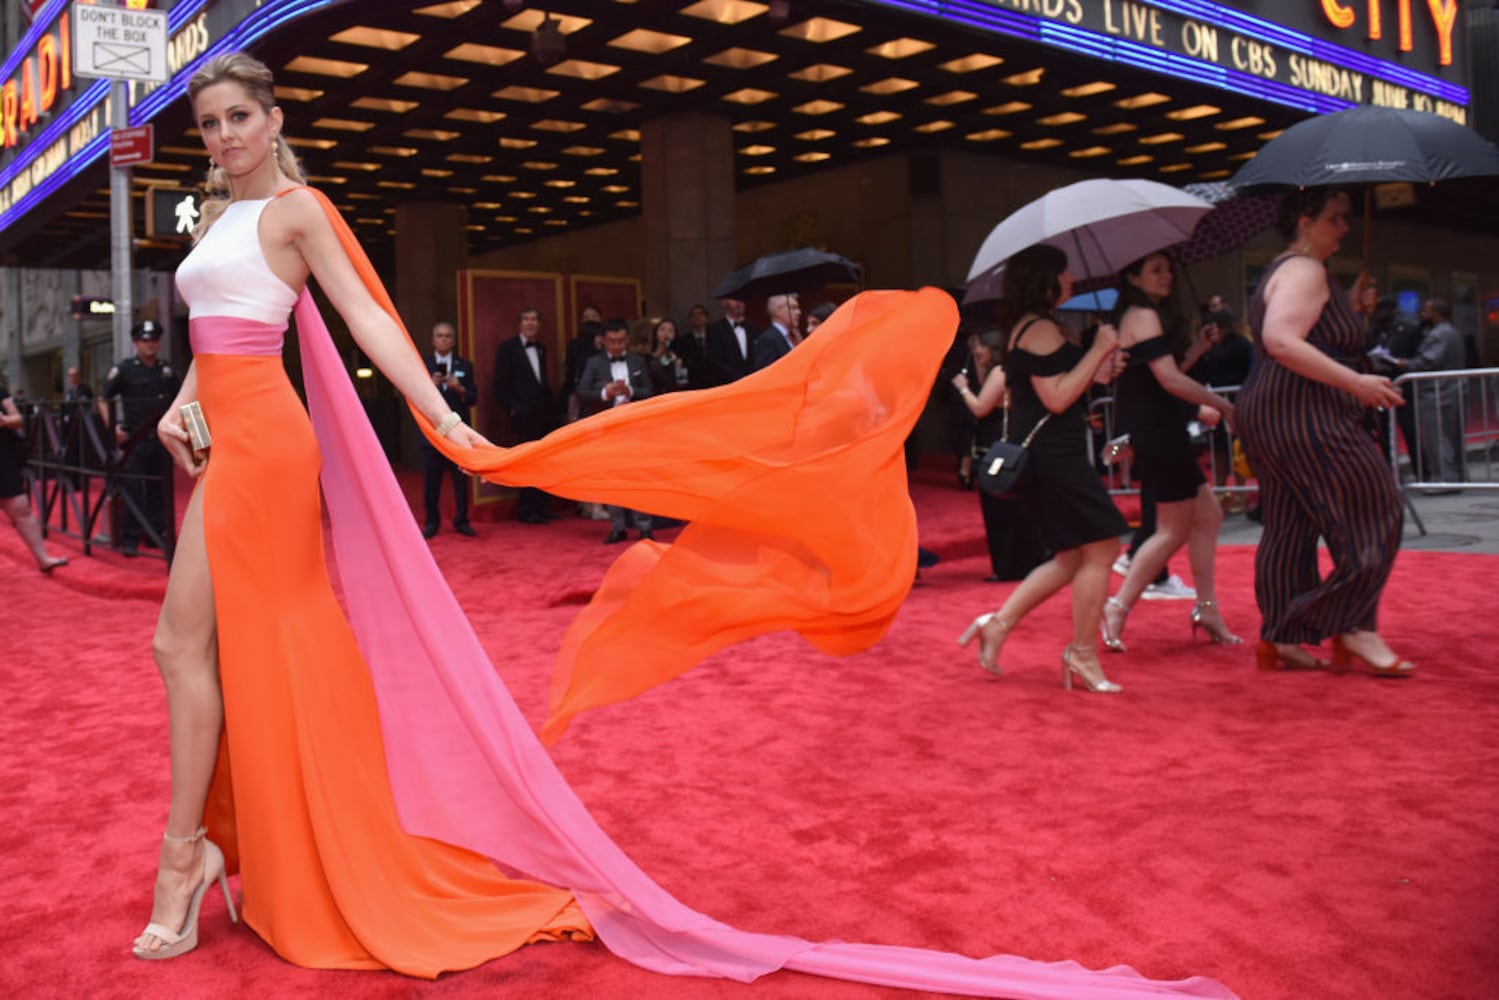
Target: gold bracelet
(447, 423)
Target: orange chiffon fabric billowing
(792, 481)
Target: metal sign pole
(120, 243)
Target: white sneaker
(1174, 589)
(1121, 565)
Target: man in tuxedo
(728, 344)
(522, 389)
(692, 347)
(777, 340)
(454, 378)
(614, 378)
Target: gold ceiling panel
(750, 95)
(1117, 128)
(430, 81)
(1148, 99)
(1234, 124)
(932, 128)
(433, 134)
(478, 115)
(1135, 161)
(485, 55)
(385, 104)
(475, 159)
(1062, 118)
(1194, 112)
(1089, 89)
(672, 84)
(1009, 108)
(363, 196)
(626, 135)
(816, 134)
(340, 68)
(375, 38)
(818, 107)
(584, 151)
(528, 20)
(901, 48)
(561, 182)
(1029, 78)
(1172, 168)
(457, 8)
(757, 150)
(737, 58)
(557, 125)
(1089, 152)
(614, 189)
(971, 64)
(401, 151)
(816, 156)
(609, 105)
(326, 179)
(820, 72)
(577, 199)
(878, 118)
(1036, 144)
(343, 124)
(950, 98)
(1267, 136)
(820, 30)
(396, 185)
(435, 173)
(303, 94)
(525, 195)
(601, 171)
(1240, 157)
(890, 85)
(650, 42)
(498, 178)
(988, 135)
(509, 142)
(356, 165)
(760, 169)
(526, 95)
(582, 69)
(296, 141)
(1161, 137)
(871, 142)
(1206, 147)
(754, 125)
(1213, 175)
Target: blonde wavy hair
(255, 77)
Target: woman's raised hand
(171, 433)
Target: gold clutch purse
(197, 430)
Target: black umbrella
(1236, 219)
(785, 272)
(1370, 145)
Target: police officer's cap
(146, 331)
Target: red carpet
(1292, 836)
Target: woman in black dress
(668, 370)
(13, 495)
(1014, 548)
(1049, 377)
(1301, 418)
(1154, 401)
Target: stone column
(687, 204)
(431, 248)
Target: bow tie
(529, 344)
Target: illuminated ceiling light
(470, 158)
(530, 20)
(614, 189)
(749, 95)
(506, 218)
(325, 67)
(1161, 137)
(724, 11)
(970, 64)
(402, 151)
(384, 104)
(317, 179)
(816, 134)
(1035, 144)
(457, 8)
(890, 85)
(900, 48)
(1244, 156)
(601, 171)
(940, 125)
(988, 135)
(527, 195)
(877, 118)
(652, 42)
(356, 165)
(375, 38)
(396, 185)
(181, 168)
(817, 107)
(672, 84)
(737, 58)
(626, 135)
(820, 29)
(488, 206)
(474, 115)
(1206, 147)
(431, 134)
(296, 94)
(485, 55)
(820, 72)
(498, 178)
(526, 95)
(474, 228)
(1008, 108)
(1029, 78)
(561, 182)
(609, 105)
(633, 158)
(627, 204)
(1146, 100)
(540, 209)
(816, 156)
(1172, 168)
(524, 230)
(508, 142)
(577, 199)
(343, 125)
(296, 141)
(1194, 112)
(950, 98)
(1089, 89)
(872, 142)
(582, 69)
(463, 190)
(754, 125)
(757, 150)
(539, 165)
(436, 173)
(1233, 124)
(430, 81)
(1267, 136)
(364, 196)
(1118, 128)
(760, 170)
(1135, 161)
(557, 125)
(1213, 175)
(1062, 118)
(556, 222)
(583, 151)
(1087, 153)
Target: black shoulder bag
(1003, 465)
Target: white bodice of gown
(226, 274)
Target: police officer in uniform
(144, 387)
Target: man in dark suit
(454, 378)
(522, 388)
(692, 347)
(614, 378)
(777, 340)
(728, 345)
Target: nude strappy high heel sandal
(1075, 664)
(185, 938)
(986, 627)
(1217, 631)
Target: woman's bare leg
(18, 509)
(186, 652)
(1039, 584)
(1202, 543)
(1090, 584)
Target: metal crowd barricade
(77, 477)
(1450, 425)
(1219, 443)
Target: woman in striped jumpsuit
(1321, 474)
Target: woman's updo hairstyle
(255, 77)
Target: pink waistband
(232, 335)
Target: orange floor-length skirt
(301, 801)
